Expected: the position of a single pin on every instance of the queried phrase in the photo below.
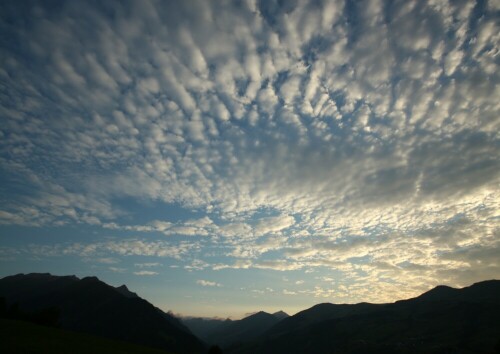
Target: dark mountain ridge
(92, 306)
(318, 313)
(227, 332)
(125, 292)
(280, 315)
(480, 291)
(442, 320)
(204, 327)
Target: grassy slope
(24, 337)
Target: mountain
(92, 306)
(243, 330)
(227, 333)
(318, 313)
(204, 327)
(125, 292)
(280, 315)
(442, 320)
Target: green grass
(23, 337)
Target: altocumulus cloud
(356, 136)
(145, 272)
(207, 283)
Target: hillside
(443, 320)
(92, 306)
(24, 337)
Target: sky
(225, 157)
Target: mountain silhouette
(442, 320)
(92, 306)
(280, 315)
(125, 292)
(318, 313)
(204, 327)
(226, 332)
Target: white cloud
(208, 283)
(117, 269)
(146, 272)
(274, 224)
(494, 5)
(235, 229)
(452, 61)
(115, 248)
(148, 265)
(107, 260)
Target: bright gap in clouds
(254, 154)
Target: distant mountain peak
(486, 283)
(281, 315)
(440, 292)
(256, 314)
(91, 279)
(246, 329)
(126, 292)
(263, 314)
(444, 292)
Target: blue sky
(221, 158)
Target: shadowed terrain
(92, 306)
(24, 337)
(227, 332)
(442, 320)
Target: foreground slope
(92, 306)
(24, 337)
(443, 320)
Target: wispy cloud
(148, 265)
(129, 247)
(117, 269)
(146, 272)
(208, 283)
